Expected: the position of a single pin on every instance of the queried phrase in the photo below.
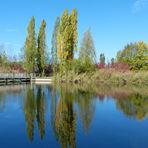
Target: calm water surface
(43, 116)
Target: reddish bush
(122, 67)
(101, 65)
(119, 66)
(16, 68)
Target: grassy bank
(107, 77)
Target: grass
(107, 76)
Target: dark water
(43, 116)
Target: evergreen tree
(54, 45)
(112, 61)
(112, 64)
(102, 58)
(102, 61)
(41, 50)
(30, 47)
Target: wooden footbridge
(7, 78)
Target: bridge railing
(16, 75)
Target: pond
(35, 116)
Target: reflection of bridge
(11, 78)
(46, 80)
(12, 88)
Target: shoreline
(105, 77)
(109, 77)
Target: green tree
(41, 50)
(62, 43)
(30, 47)
(87, 54)
(102, 58)
(102, 61)
(135, 55)
(73, 18)
(4, 62)
(54, 45)
(67, 39)
(112, 61)
(140, 61)
(3, 59)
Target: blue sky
(113, 23)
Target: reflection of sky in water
(89, 119)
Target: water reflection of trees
(34, 108)
(13, 91)
(69, 101)
(30, 113)
(53, 107)
(86, 105)
(66, 120)
(41, 112)
(135, 106)
(64, 107)
(2, 102)
(132, 101)
(62, 111)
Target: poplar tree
(87, 54)
(54, 45)
(73, 33)
(67, 38)
(30, 47)
(62, 41)
(87, 50)
(41, 50)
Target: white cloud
(138, 5)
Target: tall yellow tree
(67, 38)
